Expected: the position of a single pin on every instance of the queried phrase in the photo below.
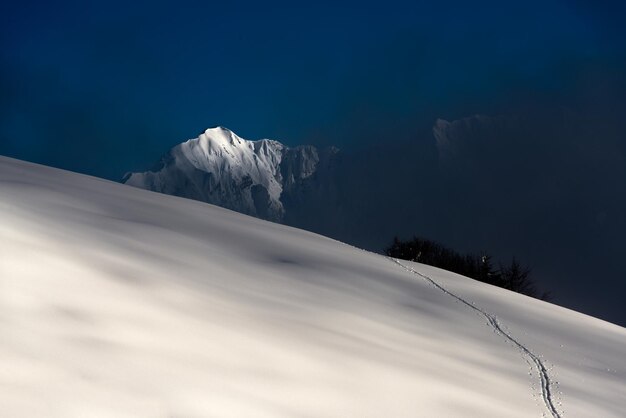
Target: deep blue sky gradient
(105, 87)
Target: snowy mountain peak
(219, 136)
(218, 128)
(463, 133)
(221, 168)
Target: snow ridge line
(493, 323)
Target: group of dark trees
(513, 276)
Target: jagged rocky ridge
(261, 178)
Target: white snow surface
(120, 302)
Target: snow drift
(116, 301)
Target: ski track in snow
(493, 323)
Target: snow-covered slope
(118, 302)
(219, 167)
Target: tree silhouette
(514, 276)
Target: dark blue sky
(104, 87)
(107, 87)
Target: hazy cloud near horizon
(546, 188)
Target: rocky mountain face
(261, 178)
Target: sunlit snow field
(118, 302)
